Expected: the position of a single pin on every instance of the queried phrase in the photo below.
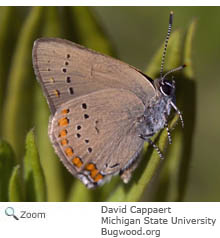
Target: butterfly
(102, 109)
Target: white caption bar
(96, 220)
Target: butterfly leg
(146, 138)
(168, 133)
(179, 113)
(156, 148)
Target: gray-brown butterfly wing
(67, 70)
(96, 135)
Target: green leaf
(8, 36)
(79, 193)
(88, 30)
(167, 189)
(18, 105)
(189, 108)
(4, 22)
(52, 23)
(7, 162)
(188, 72)
(174, 175)
(82, 26)
(15, 187)
(33, 174)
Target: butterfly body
(155, 115)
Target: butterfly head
(167, 87)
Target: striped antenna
(166, 43)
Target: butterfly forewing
(67, 70)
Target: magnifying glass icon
(9, 211)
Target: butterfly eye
(167, 88)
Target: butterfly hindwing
(96, 136)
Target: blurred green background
(132, 34)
